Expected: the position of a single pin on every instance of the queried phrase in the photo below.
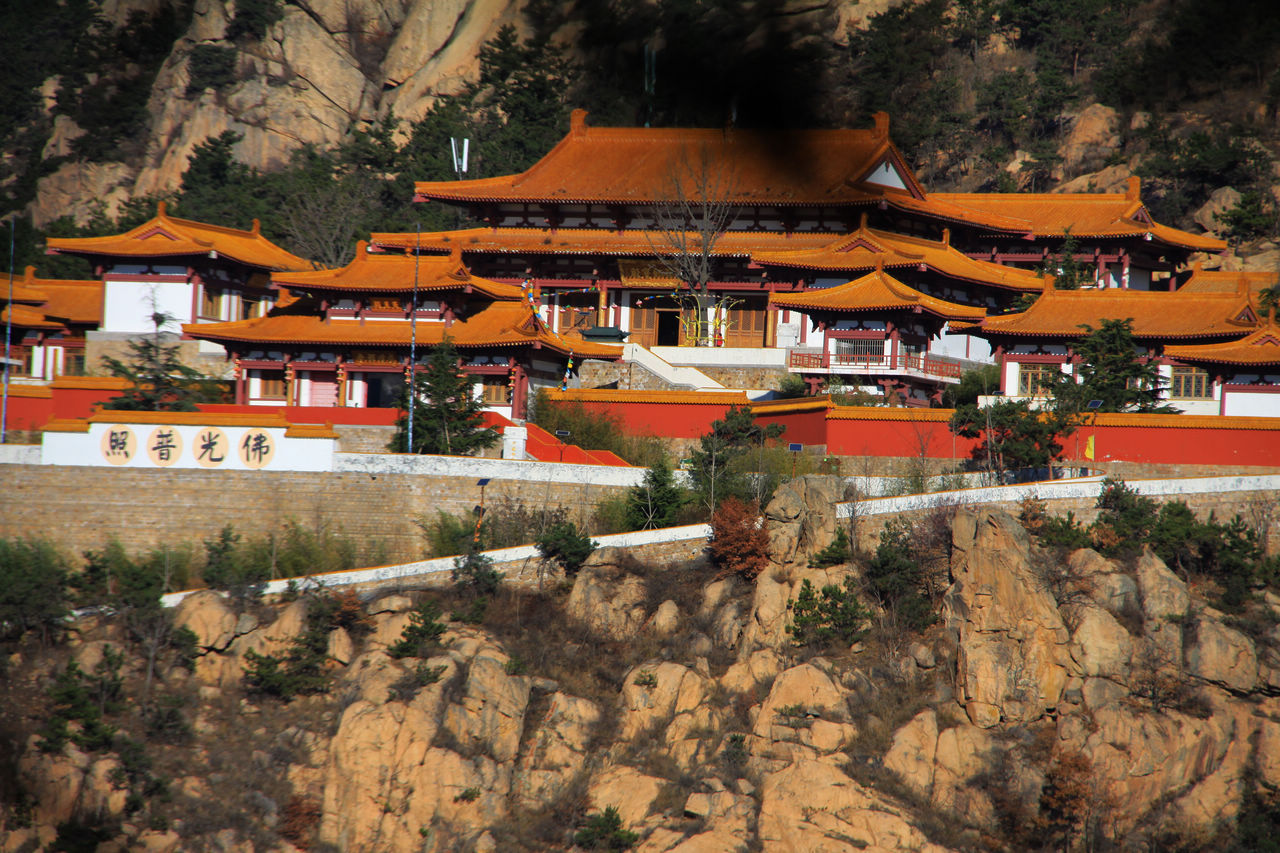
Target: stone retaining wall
(83, 507)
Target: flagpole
(413, 335)
(8, 336)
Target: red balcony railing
(929, 365)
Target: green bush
(894, 576)
(603, 831)
(34, 583)
(823, 617)
(253, 17)
(1125, 520)
(210, 67)
(422, 635)
(407, 686)
(84, 699)
(834, 554)
(567, 546)
(658, 501)
(303, 669)
(474, 573)
(1066, 533)
(612, 515)
(446, 535)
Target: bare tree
(688, 223)
(324, 218)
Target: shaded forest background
(980, 92)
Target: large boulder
(626, 789)
(1094, 134)
(801, 518)
(1220, 201)
(913, 752)
(557, 750)
(1014, 657)
(813, 806)
(1222, 655)
(806, 714)
(490, 714)
(1100, 645)
(607, 598)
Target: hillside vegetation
(956, 681)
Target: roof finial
(257, 227)
(1134, 192)
(879, 262)
(1048, 282)
(455, 253)
(578, 122)
(882, 123)
(946, 236)
(862, 221)
(161, 209)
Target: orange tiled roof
(395, 274)
(1261, 348)
(875, 291)
(643, 165)
(72, 300)
(501, 324)
(1229, 281)
(1083, 214)
(168, 236)
(590, 241)
(1155, 314)
(27, 317)
(24, 289)
(869, 248)
(639, 165)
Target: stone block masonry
(82, 507)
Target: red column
(519, 392)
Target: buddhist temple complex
(817, 253)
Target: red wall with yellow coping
(923, 433)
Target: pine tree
(158, 380)
(1110, 370)
(656, 502)
(447, 417)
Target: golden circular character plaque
(164, 446)
(119, 444)
(210, 447)
(256, 448)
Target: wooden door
(747, 323)
(644, 322)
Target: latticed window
(210, 302)
(271, 385)
(860, 351)
(495, 390)
(1190, 383)
(1036, 379)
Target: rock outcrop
(1111, 678)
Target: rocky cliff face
(324, 68)
(1055, 698)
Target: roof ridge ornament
(881, 124)
(1134, 190)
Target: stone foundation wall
(753, 378)
(82, 507)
